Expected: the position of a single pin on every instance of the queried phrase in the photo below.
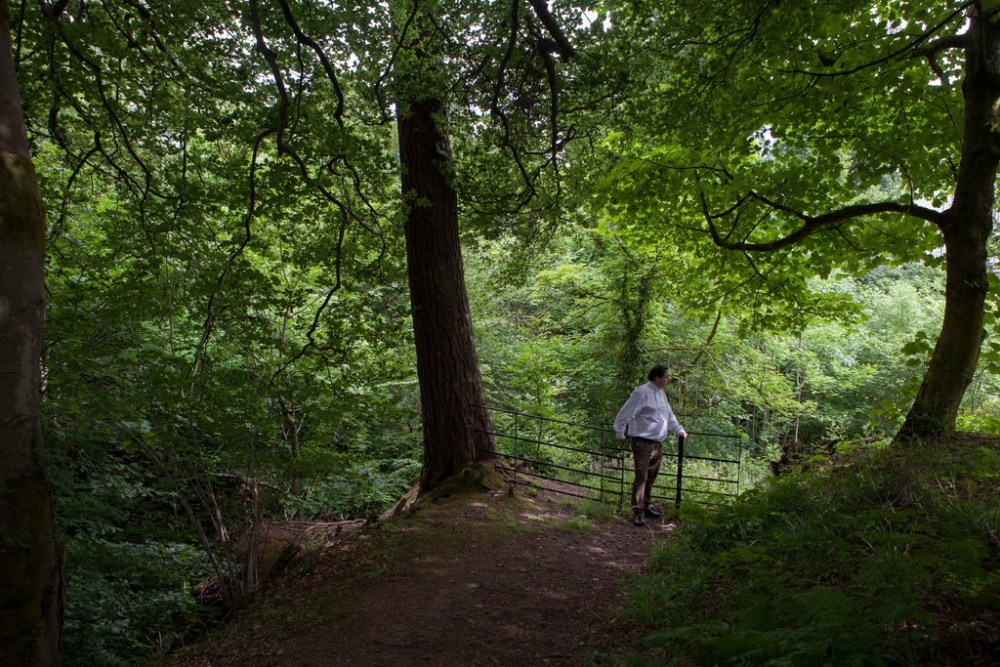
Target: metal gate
(587, 461)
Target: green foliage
(886, 561)
(984, 418)
(188, 349)
(779, 143)
(558, 346)
(361, 489)
(131, 570)
(127, 602)
(228, 313)
(861, 374)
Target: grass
(890, 557)
(587, 516)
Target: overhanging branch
(810, 224)
(922, 45)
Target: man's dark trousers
(647, 455)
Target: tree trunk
(956, 353)
(456, 429)
(966, 227)
(31, 585)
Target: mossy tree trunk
(31, 588)
(966, 227)
(456, 428)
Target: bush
(889, 560)
(127, 603)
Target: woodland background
(229, 334)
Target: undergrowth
(889, 558)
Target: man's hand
(620, 437)
(683, 434)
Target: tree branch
(303, 38)
(920, 46)
(54, 10)
(811, 224)
(561, 44)
(121, 136)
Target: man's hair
(657, 371)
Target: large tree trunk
(31, 588)
(957, 350)
(456, 429)
(966, 227)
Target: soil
(487, 577)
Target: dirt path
(485, 579)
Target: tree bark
(966, 227)
(31, 583)
(456, 429)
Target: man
(649, 418)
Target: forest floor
(485, 578)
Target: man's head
(659, 375)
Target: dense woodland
(286, 250)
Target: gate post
(620, 454)
(680, 470)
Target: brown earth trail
(483, 578)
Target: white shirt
(647, 415)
